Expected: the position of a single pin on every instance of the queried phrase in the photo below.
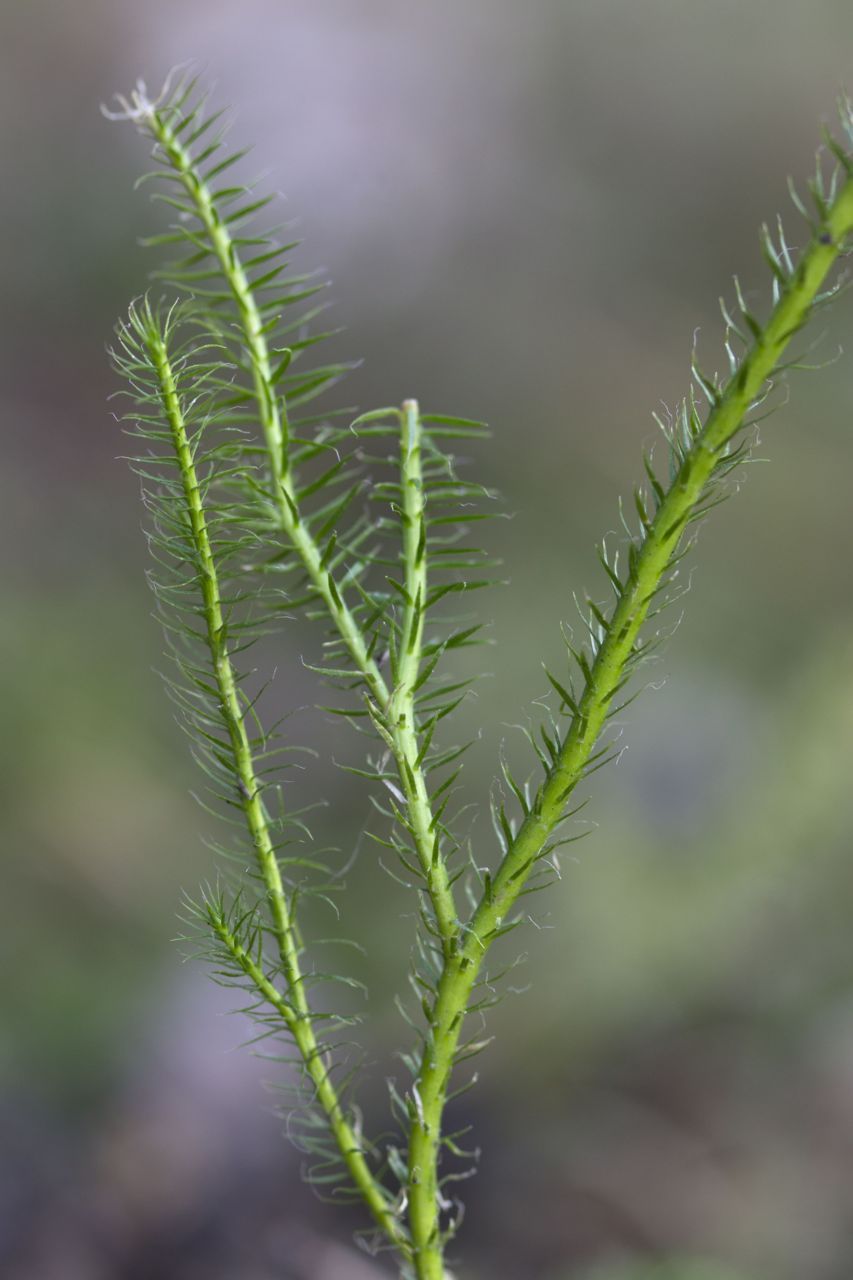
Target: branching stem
(455, 951)
(272, 411)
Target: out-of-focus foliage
(673, 1269)
(559, 193)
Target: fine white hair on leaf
(139, 107)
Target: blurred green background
(526, 212)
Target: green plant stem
(414, 551)
(402, 721)
(273, 416)
(660, 544)
(662, 537)
(293, 1007)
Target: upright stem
(662, 538)
(402, 721)
(293, 1005)
(659, 546)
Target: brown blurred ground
(526, 211)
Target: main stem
(661, 542)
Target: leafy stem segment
(649, 564)
(406, 668)
(396, 707)
(678, 506)
(293, 1005)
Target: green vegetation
(261, 507)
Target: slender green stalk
(660, 545)
(414, 553)
(402, 718)
(293, 1006)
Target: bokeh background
(527, 211)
